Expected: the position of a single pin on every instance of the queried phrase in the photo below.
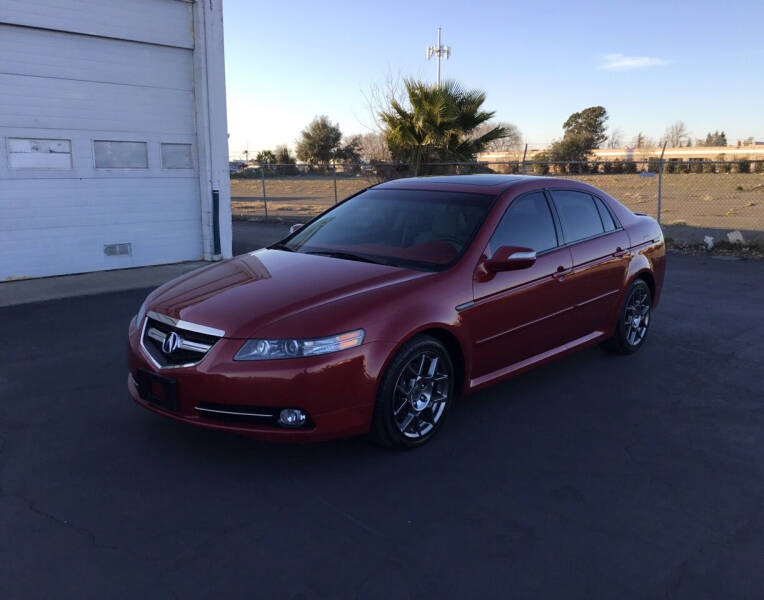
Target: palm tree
(438, 124)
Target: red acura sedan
(376, 315)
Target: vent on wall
(118, 249)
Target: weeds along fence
(690, 199)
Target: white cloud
(619, 62)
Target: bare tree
(373, 147)
(641, 141)
(676, 134)
(511, 143)
(614, 139)
(380, 96)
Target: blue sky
(648, 63)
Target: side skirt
(534, 361)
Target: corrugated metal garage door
(97, 136)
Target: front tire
(633, 319)
(415, 394)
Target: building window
(32, 153)
(177, 156)
(120, 155)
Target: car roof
(480, 184)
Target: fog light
(292, 417)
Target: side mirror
(510, 258)
(294, 228)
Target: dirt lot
(725, 200)
(291, 196)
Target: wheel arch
(647, 276)
(453, 345)
(455, 351)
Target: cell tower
(438, 51)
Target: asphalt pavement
(592, 477)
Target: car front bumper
(336, 390)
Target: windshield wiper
(280, 246)
(347, 256)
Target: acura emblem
(171, 343)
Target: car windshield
(418, 229)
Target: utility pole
(438, 51)
(660, 181)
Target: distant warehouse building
(754, 151)
(113, 141)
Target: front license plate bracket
(157, 389)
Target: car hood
(248, 292)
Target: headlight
(141, 314)
(292, 348)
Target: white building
(113, 142)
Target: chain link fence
(692, 200)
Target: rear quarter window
(607, 218)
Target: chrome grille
(174, 343)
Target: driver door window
(528, 223)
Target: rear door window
(579, 215)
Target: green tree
(571, 148)
(716, 139)
(265, 157)
(588, 124)
(283, 156)
(285, 161)
(319, 141)
(541, 163)
(349, 152)
(583, 132)
(436, 124)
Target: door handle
(620, 252)
(560, 273)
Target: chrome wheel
(637, 315)
(421, 393)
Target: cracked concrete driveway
(593, 477)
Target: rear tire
(415, 394)
(633, 320)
